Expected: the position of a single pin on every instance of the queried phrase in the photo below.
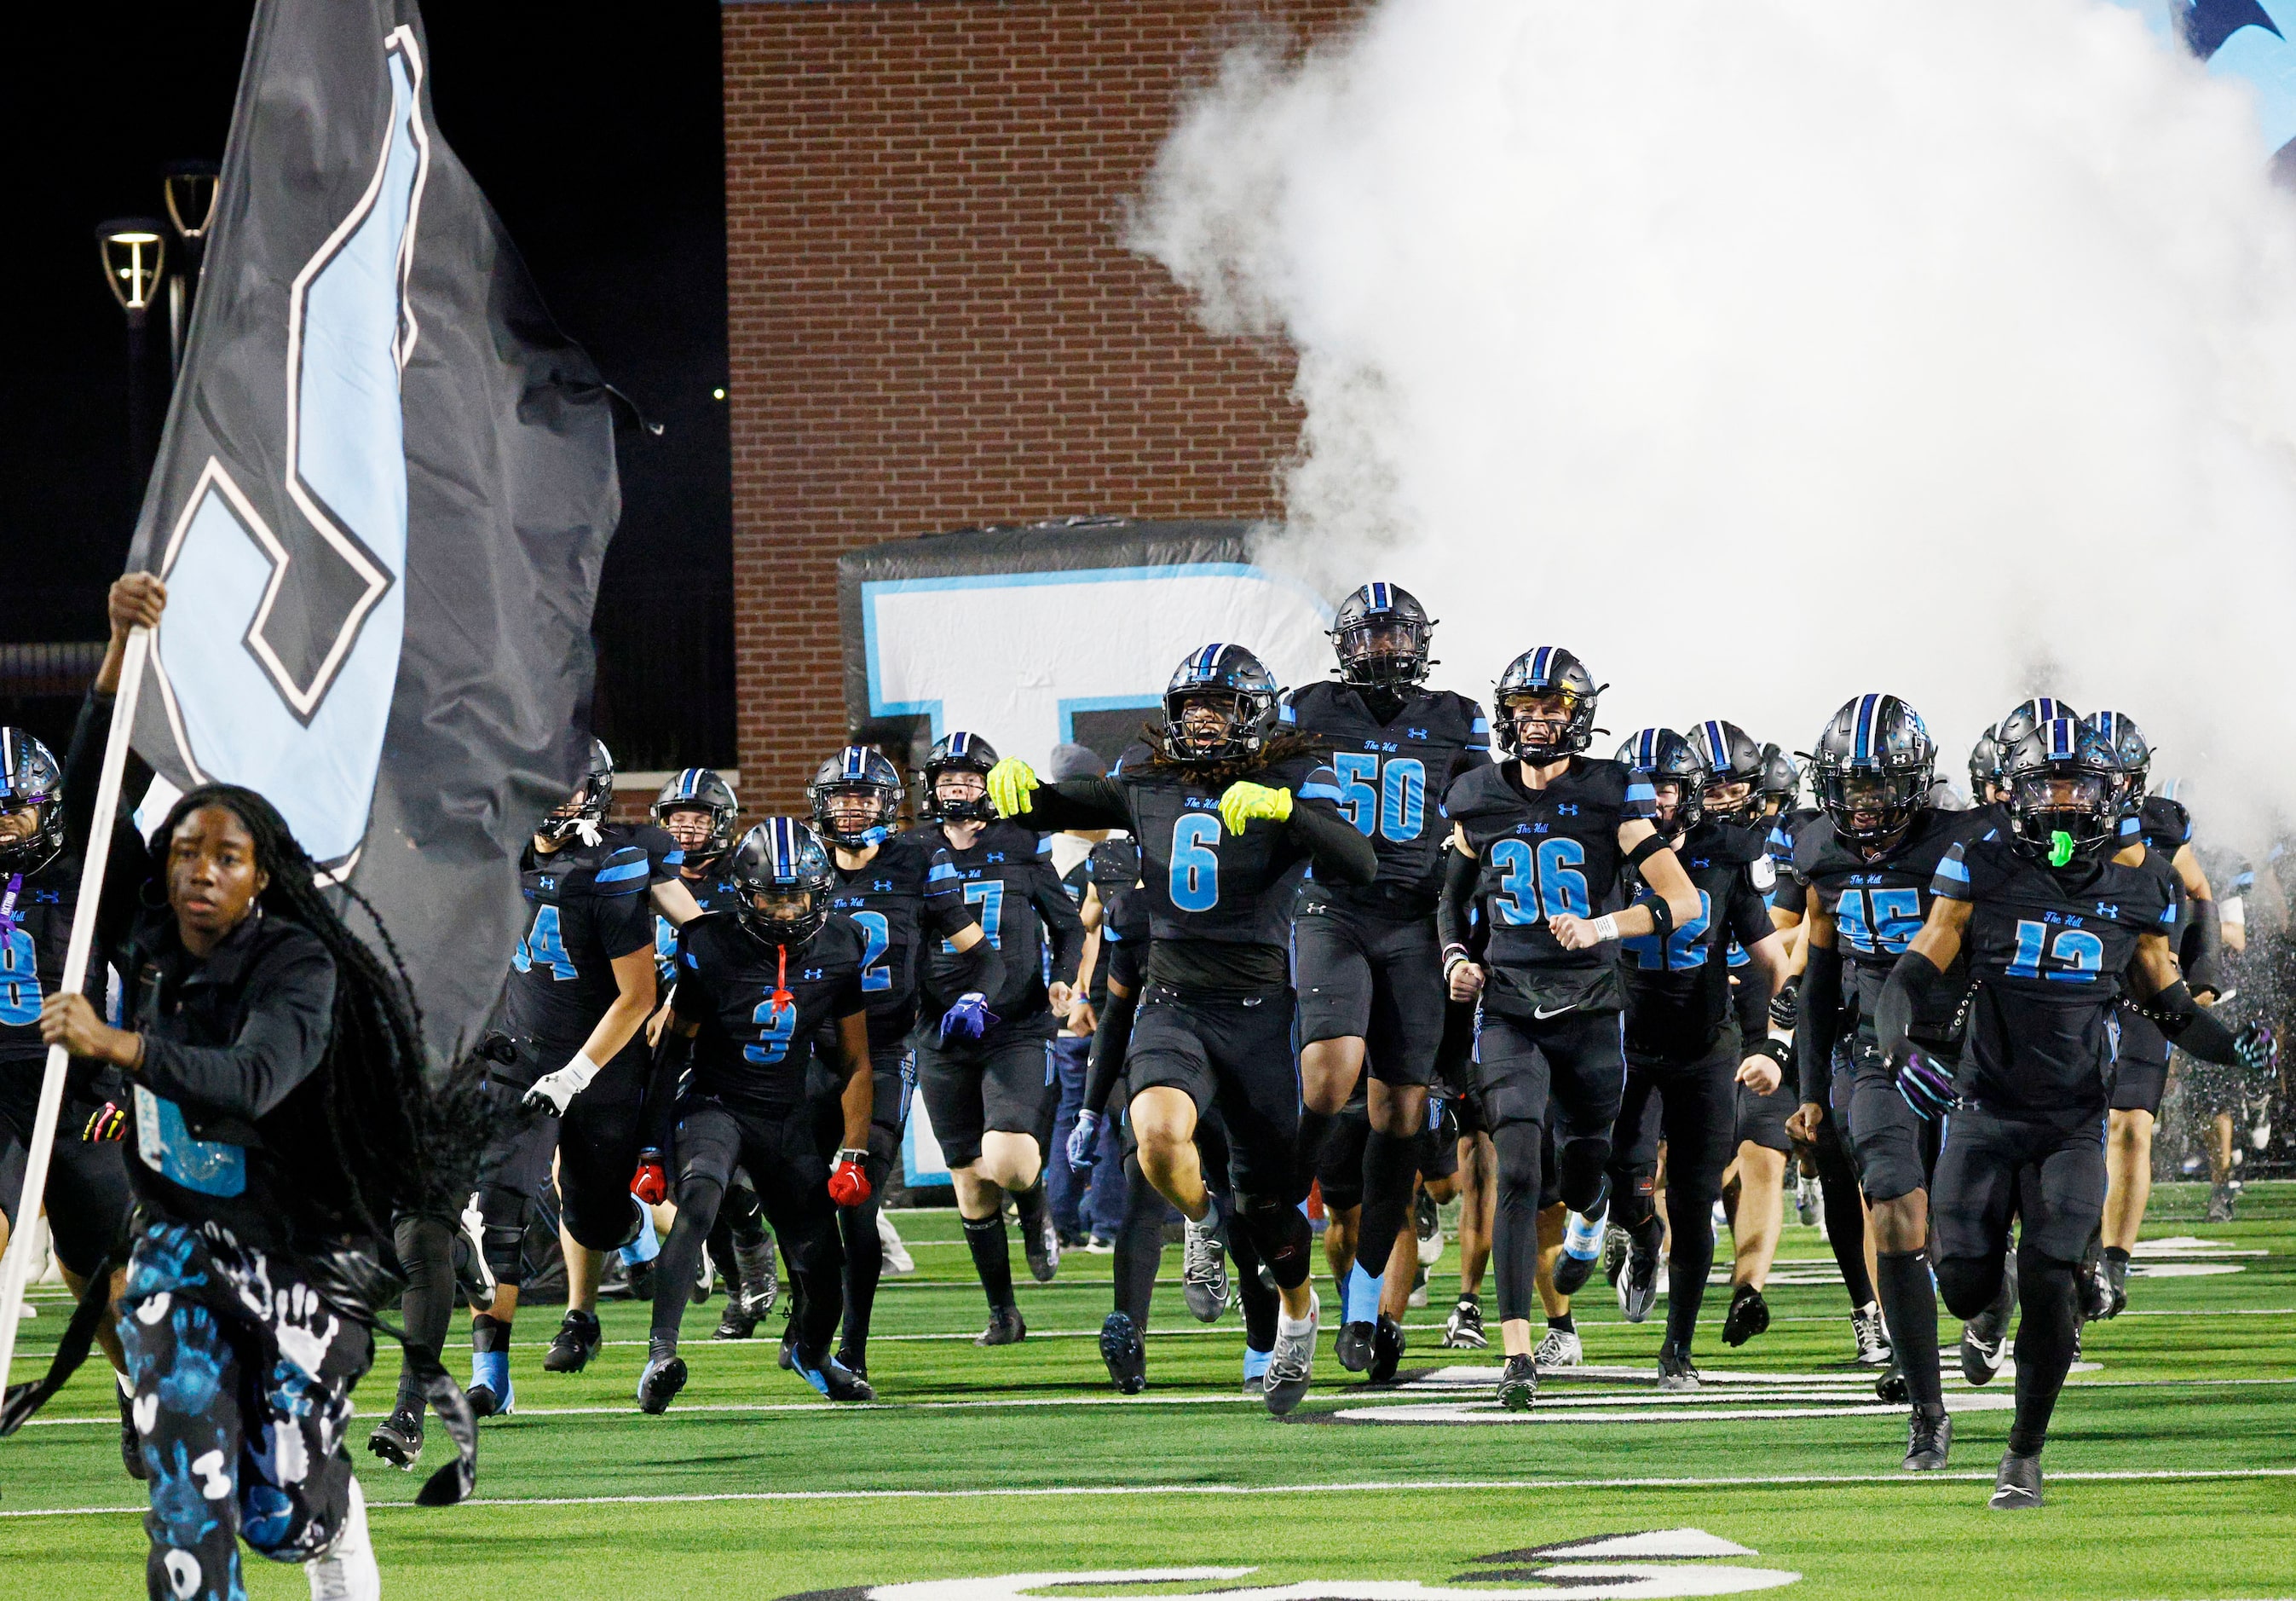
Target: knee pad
(1968, 1284)
(1635, 1198)
(1281, 1236)
(1520, 1150)
(501, 1234)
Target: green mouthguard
(2060, 847)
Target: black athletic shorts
(2050, 1175)
(88, 1195)
(1235, 1052)
(1007, 1086)
(1365, 978)
(1888, 1141)
(1690, 1107)
(1761, 1120)
(1567, 1073)
(2140, 1063)
(598, 1153)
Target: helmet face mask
(2064, 793)
(1671, 766)
(856, 797)
(783, 879)
(697, 809)
(1732, 801)
(1381, 635)
(1873, 766)
(2119, 731)
(1546, 705)
(1220, 706)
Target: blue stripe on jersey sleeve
(676, 858)
(940, 870)
(1285, 713)
(1480, 729)
(1642, 792)
(1320, 791)
(621, 872)
(2168, 913)
(1952, 879)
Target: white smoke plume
(1767, 351)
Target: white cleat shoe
(897, 1258)
(346, 1570)
(1559, 1349)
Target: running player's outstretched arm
(858, 1100)
(1016, 792)
(2202, 953)
(1918, 974)
(1672, 902)
(1338, 850)
(2164, 996)
(1817, 1022)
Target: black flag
(380, 505)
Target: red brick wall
(933, 319)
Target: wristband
(581, 1069)
(1606, 926)
(859, 1159)
(1453, 955)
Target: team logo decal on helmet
(2064, 788)
(1548, 694)
(1220, 706)
(1731, 757)
(1662, 757)
(1874, 761)
(958, 753)
(701, 790)
(783, 877)
(855, 796)
(1382, 635)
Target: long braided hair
(356, 1136)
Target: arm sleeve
(290, 1008)
(1454, 911)
(672, 1055)
(1078, 803)
(1910, 991)
(1819, 1024)
(1753, 1010)
(130, 866)
(1112, 1035)
(2202, 956)
(1340, 850)
(1063, 924)
(2196, 1030)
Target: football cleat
(1616, 1245)
(1418, 1296)
(1892, 1387)
(1353, 1347)
(1386, 1350)
(131, 1439)
(1007, 1327)
(734, 1323)
(896, 1257)
(663, 1378)
(1518, 1383)
(1748, 1316)
(1582, 1248)
(491, 1392)
(1561, 1348)
(1985, 1338)
(1203, 1269)
(834, 1380)
(1676, 1375)
(1809, 1200)
(1041, 1245)
(1255, 1371)
(1464, 1329)
(1928, 1439)
(575, 1344)
(854, 1365)
(397, 1438)
(2018, 1485)
(2222, 1201)
(1873, 1335)
(2115, 1275)
(1290, 1363)
(786, 1358)
(1427, 1224)
(1127, 1357)
(1638, 1285)
(760, 1280)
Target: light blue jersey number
(1195, 861)
(545, 945)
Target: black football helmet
(1656, 756)
(777, 860)
(2064, 793)
(1984, 767)
(1543, 670)
(860, 772)
(30, 777)
(2119, 730)
(1229, 678)
(705, 790)
(2025, 716)
(592, 798)
(958, 753)
(1383, 635)
(1781, 778)
(1731, 757)
(1874, 761)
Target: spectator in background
(1066, 1188)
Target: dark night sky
(596, 131)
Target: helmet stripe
(1379, 597)
(1717, 750)
(1863, 748)
(7, 761)
(1210, 659)
(1538, 664)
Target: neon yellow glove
(1244, 801)
(1009, 784)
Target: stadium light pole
(134, 258)
(189, 189)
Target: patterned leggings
(243, 1399)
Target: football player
(581, 984)
(1868, 866)
(1696, 1033)
(987, 1073)
(899, 890)
(1228, 814)
(2054, 929)
(1368, 965)
(754, 991)
(1540, 841)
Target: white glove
(553, 1093)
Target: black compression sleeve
(1912, 982)
(2202, 953)
(1820, 1022)
(1078, 803)
(1753, 1009)
(2193, 1026)
(1340, 850)
(1451, 910)
(1109, 1038)
(980, 968)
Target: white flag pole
(17, 1267)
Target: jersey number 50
(1393, 803)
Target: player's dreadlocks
(1218, 774)
(364, 1137)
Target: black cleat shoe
(1891, 1388)
(1519, 1384)
(1127, 1358)
(1572, 1272)
(2018, 1485)
(397, 1438)
(131, 1439)
(787, 1358)
(1386, 1350)
(1985, 1338)
(1638, 1285)
(576, 1344)
(1616, 1245)
(1927, 1442)
(1007, 1327)
(2116, 1287)
(1748, 1316)
(857, 1364)
(1427, 1229)
(1675, 1373)
(659, 1385)
(641, 1281)
(484, 1402)
(1353, 1347)
(835, 1381)
(1464, 1329)
(734, 1323)
(1041, 1247)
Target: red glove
(848, 1179)
(651, 1184)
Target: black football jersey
(33, 935)
(1878, 906)
(752, 1053)
(713, 891)
(1790, 894)
(1545, 852)
(906, 893)
(1006, 876)
(1678, 986)
(586, 906)
(1115, 864)
(2047, 952)
(1392, 778)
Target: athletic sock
(675, 1267)
(1261, 1305)
(1910, 1307)
(1689, 1261)
(1139, 1244)
(1315, 1128)
(1562, 1325)
(991, 1258)
(1845, 1232)
(1359, 1295)
(865, 1265)
(2116, 1256)
(2045, 1336)
(1031, 1203)
(1390, 1164)
(491, 1354)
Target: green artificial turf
(980, 1463)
